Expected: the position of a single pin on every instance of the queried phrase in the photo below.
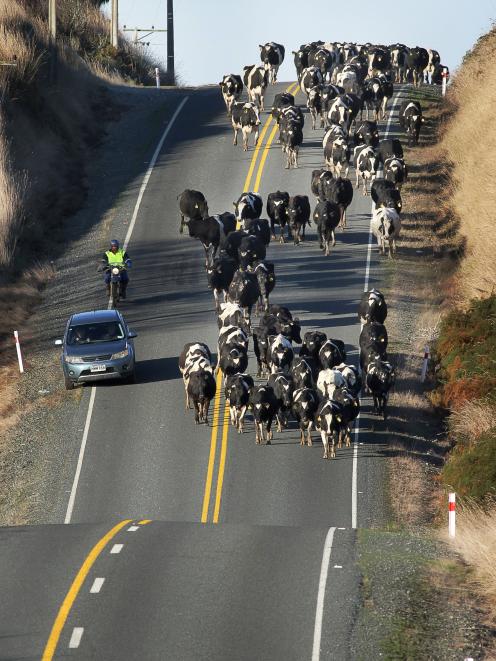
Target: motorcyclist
(116, 255)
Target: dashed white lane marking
(133, 528)
(77, 634)
(341, 528)
(116, 548)
(97, 585)
(324, 570)
(338, 566)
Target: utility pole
(52, 39)
(114, 24)
(170, 42)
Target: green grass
(471, 471)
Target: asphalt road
(247, 588)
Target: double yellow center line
(216, 424)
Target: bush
(471, 470)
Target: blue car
(97, 346)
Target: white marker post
(425, 363)
(157, 77)
(451, 514)
(19, 355)
(444, 81)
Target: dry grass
(408, 487)
(475, 541)
(473, 419)
(470, 142)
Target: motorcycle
(115, 271)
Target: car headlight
(121, 354)
(73, 359)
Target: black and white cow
(251, 250)
(379, 60)
(372, 307)
(373, 341)
(385, 194)
(264, 405)
(277, 210)
(350, 410)
(195, 357)
(367, 134)
(434, 61)
(329, 380)
(319, 181)
(327, 96)
(244, 291)
(326, 216)
(231, 87)
(303, 371)
(245, 117)
(256, 79)
(372, 97)
(283, 387)
(281, 101)
(248, 206)
(395, 170)
(332, 353)
(299, 216)
(232, 314)
(237, 391)
(233, 359)
(258, 227)
(337, 156)
(312, 343)
(266, 277)
(341, 113)
(399, 54)
(314, 105)
(305, 405)
(366, 163)
(280, 354)
(272, 56)
(380, 379)
(386, 227)
(417, 60)
(410, 119)
(310, 77)
(352, 376)
(300, 60)
(328, 420)
(192, 205)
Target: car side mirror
(58, 343)
(132, 334)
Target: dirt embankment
(49, 127)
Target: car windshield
(109, 331)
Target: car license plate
(98, 368)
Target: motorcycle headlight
(73, 359)
(115, 271)
(120, 354)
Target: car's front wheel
(69, 384)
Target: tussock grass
(473, 419)
(475, 541)
(13, 187)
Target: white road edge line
(354, 477)
(97, 585)
(77, 634)
(72, 498)
(116, 548)
(319, 612)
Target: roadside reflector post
(451, 515)
(18, 349)
(425, 363)
(444, 81)
(157, 77)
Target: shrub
(471, 470)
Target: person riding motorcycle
(116, 256)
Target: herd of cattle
(314, 384)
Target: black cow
(277, 210)
(251, 250)
(230, 245)
(373, 342)
(312, 343)
(231, 87)
(245, 117)
(192, 205)
(417, 60)
(367, 134)
(291, 138)
(332, 353)
(220, 272)
(244, 291)
(372, 97)
(210, 231)
(314, 105)
(379, 59)
(388, 148)
(264, 405)
(272, 56)
(237, 390)
(350, 409)
(305, 405)
(379, 379)
(233, 359)
(248, 206)
(256, 79)
(266, 281)
(340, 191)
(283, 387)
(299, 216)
(300, 60)
(372, 307)
(326, 216)
(323, 182)
(201, 390)
(396, 171)
(385, 194)
(258, 227)
(410, 118)
(303, 371)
